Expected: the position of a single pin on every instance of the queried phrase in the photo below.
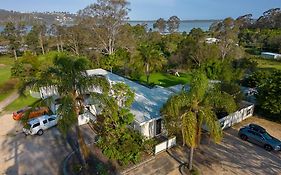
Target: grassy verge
(267, 63)
(6, 60)
(21, 102)
(7, 85)
(6, 94)
(5, 73)
(166, 80)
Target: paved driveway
(231, 157)
(32, 154)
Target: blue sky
(154, 9)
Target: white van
(39, 124)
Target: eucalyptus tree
(106, 18)
(36, 38)
(187, 112)
(173, 24)
(69, 77)
(151, 58)
(227, 33)
(11, 34)
(160, 24)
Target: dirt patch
(2, 65)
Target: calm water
(184, 25)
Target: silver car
(259, 136)
(38, 125)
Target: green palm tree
(68, 75)
(187, 112)
(152, 58)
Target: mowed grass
(6, 60)
(5, 73)
(264, 63)
(20, 103)
(167, 80)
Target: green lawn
(20, 103)
(268, 63)
(5, 73)
(166, 80)
(6, 60)
(6, 94)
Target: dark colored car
(258, 135)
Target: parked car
(38, 125)
(36, 113)
(258, 135)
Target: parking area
(234, 156)
(28, 155)
(231, 157)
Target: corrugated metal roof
(148, 101)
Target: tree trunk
(147, 73)
(41, 44)
(58, 47)
(15, 54)
(61, 44)
(190, 158)
(83, 149)
(182, 132)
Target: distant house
(4, 49)
(271, 55)
(211, 40)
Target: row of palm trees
(188, 111)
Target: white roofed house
(147, 103)
(146, 106)
(271, 55)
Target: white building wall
(148, 129)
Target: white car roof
(36, 120)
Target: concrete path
(8, 100)
(30, 155)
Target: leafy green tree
(151, 58)
(268, 96)
(224, 71)
(105, 18)
(11, 34)
(160, 24)
(195, 53)
(187, 112)
(36, 38)
(173, 24)
(117, 140)
(245, 21)
(25, 68)
(257, 79)
(68, 75)
(227, 33)
(197, 34)
(269, 19)
(56, 33)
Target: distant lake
(184, 25)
